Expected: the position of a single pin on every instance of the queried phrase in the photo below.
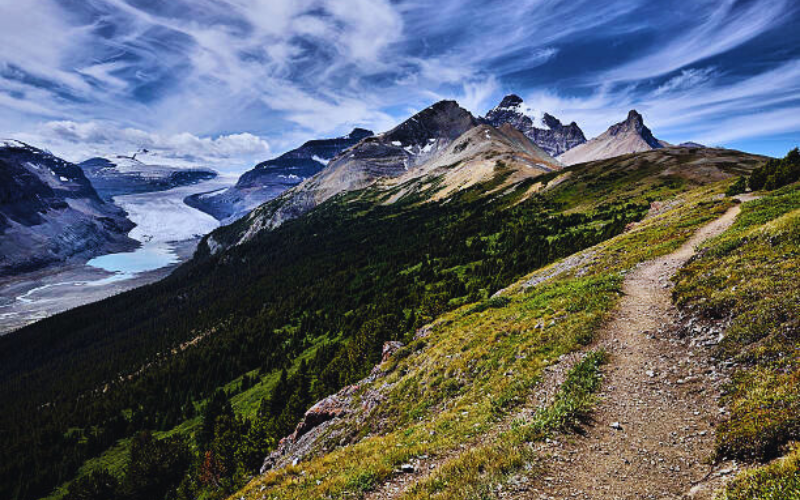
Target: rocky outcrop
(269, 179)
(50, 213)
(308, 435)
(629, 136)
(123, 175)
(545, 130)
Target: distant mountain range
(439, 151)
(330, 170)
(435, 153)
(121, 175)
(426, 154)
(49, 212)
(269, 179)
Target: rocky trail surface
(653, 431)
(652, 434)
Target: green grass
(779, 480)
(474, 473)
(446, 392)
(748, 276)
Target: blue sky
(230, 82)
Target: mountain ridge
(628, 136)
(270, 178)
(386, 155)
(454, 152)
(50, 213)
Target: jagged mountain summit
(49, 212)
(123, 175)
(477, 156)
(387, 155)
(545, 130)
(628, 136)
(269, 179)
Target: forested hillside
(285, 319)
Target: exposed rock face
(421, 159)
(387, 155)
(49, 212)
(307, 436)
(545, 130)
(629, 136)
(476, 156)
(269, 179)
(127, 175)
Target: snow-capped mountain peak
(513, 104)
(542, 128)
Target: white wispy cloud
(79, 141)
(290, 70)
(688, 79)
(717, 27)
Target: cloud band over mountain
(225, 77)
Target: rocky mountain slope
(629, 136)
(129, 175)
(545, 130)
(49, 212)
(473, 158)
(387, 155)
(431, 165)
(272, 177)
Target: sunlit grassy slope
(455, 393)
(749, 277)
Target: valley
(167, 230)
(440, 310)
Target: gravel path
(654, 428)
(653, 432)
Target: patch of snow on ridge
(397, 143)
(535, 115)
(12, 143)
(324, 161)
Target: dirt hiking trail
(653, 430)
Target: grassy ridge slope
(747, 278)
(473, 372)
(331, 287)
